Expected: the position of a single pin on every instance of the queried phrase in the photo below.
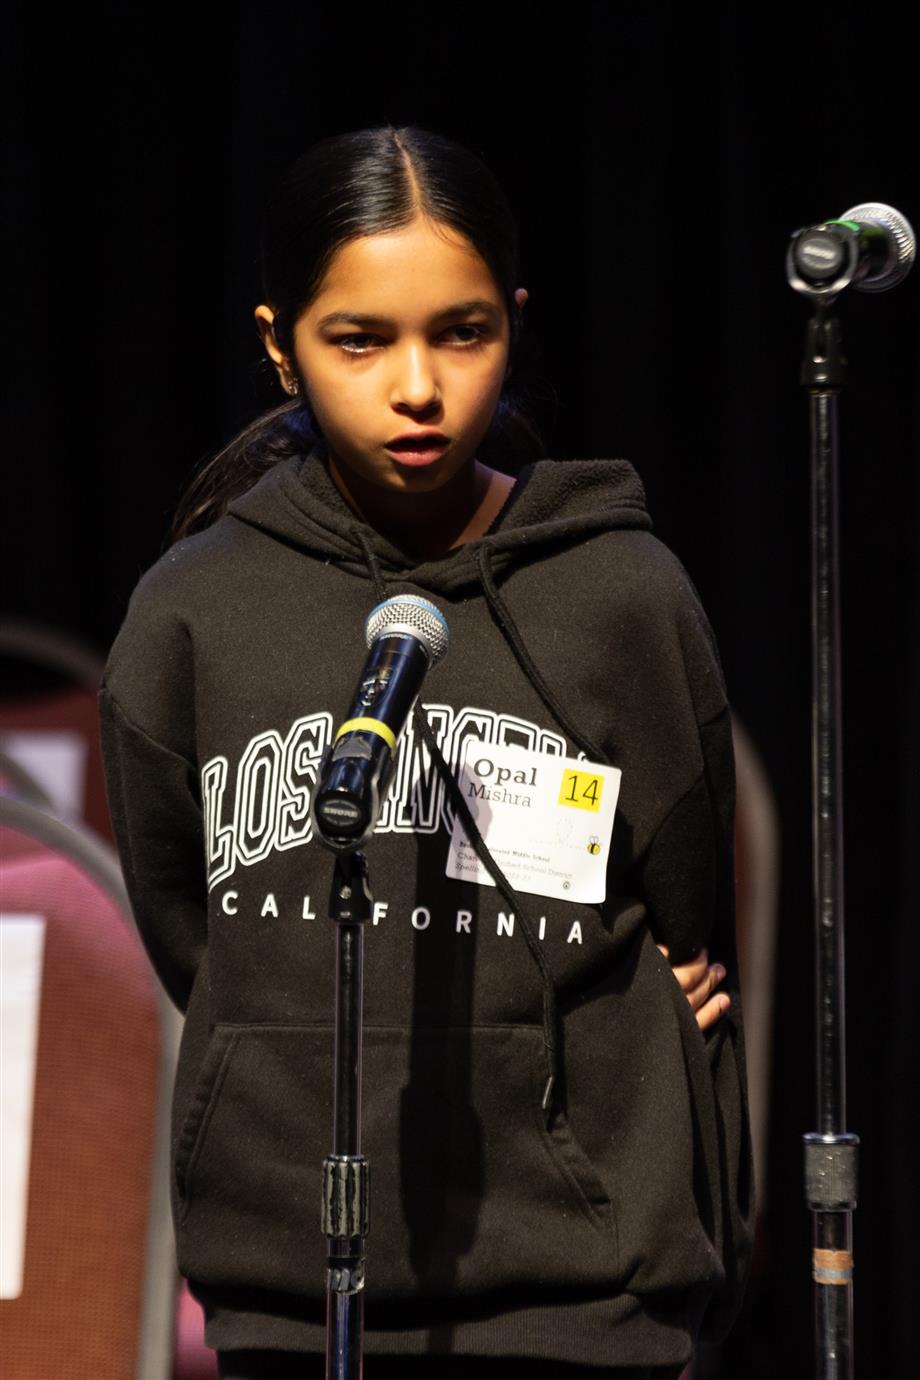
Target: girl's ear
(265, 318)
(520, 297)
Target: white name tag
(546, 820)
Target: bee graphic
(594, 845)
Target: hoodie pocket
(204, 1099)
(671, 1231)
(468, 1189)
(484, 1195)
(646, 1104)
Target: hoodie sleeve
(147, 729)
(158, 829)
(687, 869)
(687, 876)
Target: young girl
(558, 1137)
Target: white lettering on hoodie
(274, 779)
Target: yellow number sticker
(581, 789)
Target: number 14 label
(581, 789)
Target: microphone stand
(345, 1172)
(872, 247)
(831, 1151)
(405, 636)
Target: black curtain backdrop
(658, 158)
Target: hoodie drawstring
(425, 732)
(511, 635)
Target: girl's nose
(415, 383)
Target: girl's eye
(478, 333)
(362, 343)
(354, 344)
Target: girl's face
(408, 333)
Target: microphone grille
(412, 615)
(904, 248)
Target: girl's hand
(699, 978)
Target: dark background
(657, 158)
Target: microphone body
(870, 247)
(405, 635)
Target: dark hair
(349, 185)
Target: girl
(561, 1172)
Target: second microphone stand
(831, 1151)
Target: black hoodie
(604, 1217)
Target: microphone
(406, 636)
(871, 246)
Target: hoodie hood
(552, 503)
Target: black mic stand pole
(345, 1172)
(831, 1151)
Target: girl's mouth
(421, 452)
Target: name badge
(546, 820)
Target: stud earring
(293, 387)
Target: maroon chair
(95, 1293)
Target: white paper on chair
(56, 760)
(22, 939)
